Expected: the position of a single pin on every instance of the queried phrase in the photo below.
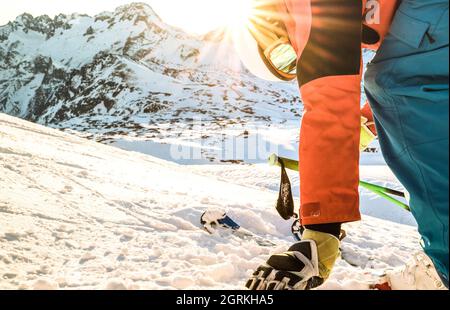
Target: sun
(236, 12)
(202, 16)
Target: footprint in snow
(87, 257)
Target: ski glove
(306, 265)
(367, 136)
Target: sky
(194, 16)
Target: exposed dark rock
(90, 31)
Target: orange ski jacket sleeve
(327, 36)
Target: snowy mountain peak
(118, 73)
(41, 24)
(137, 10)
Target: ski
(214, 220)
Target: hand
(367, 135)
(306, 265)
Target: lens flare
(237, 12)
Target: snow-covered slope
(78, 214)
(127, 73)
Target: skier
(319, 42)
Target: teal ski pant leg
(407, 87)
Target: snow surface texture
(75, 214)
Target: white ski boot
(418, 274)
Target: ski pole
(389, 198)
(381, 191)
(294, 165)
(374, 187)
